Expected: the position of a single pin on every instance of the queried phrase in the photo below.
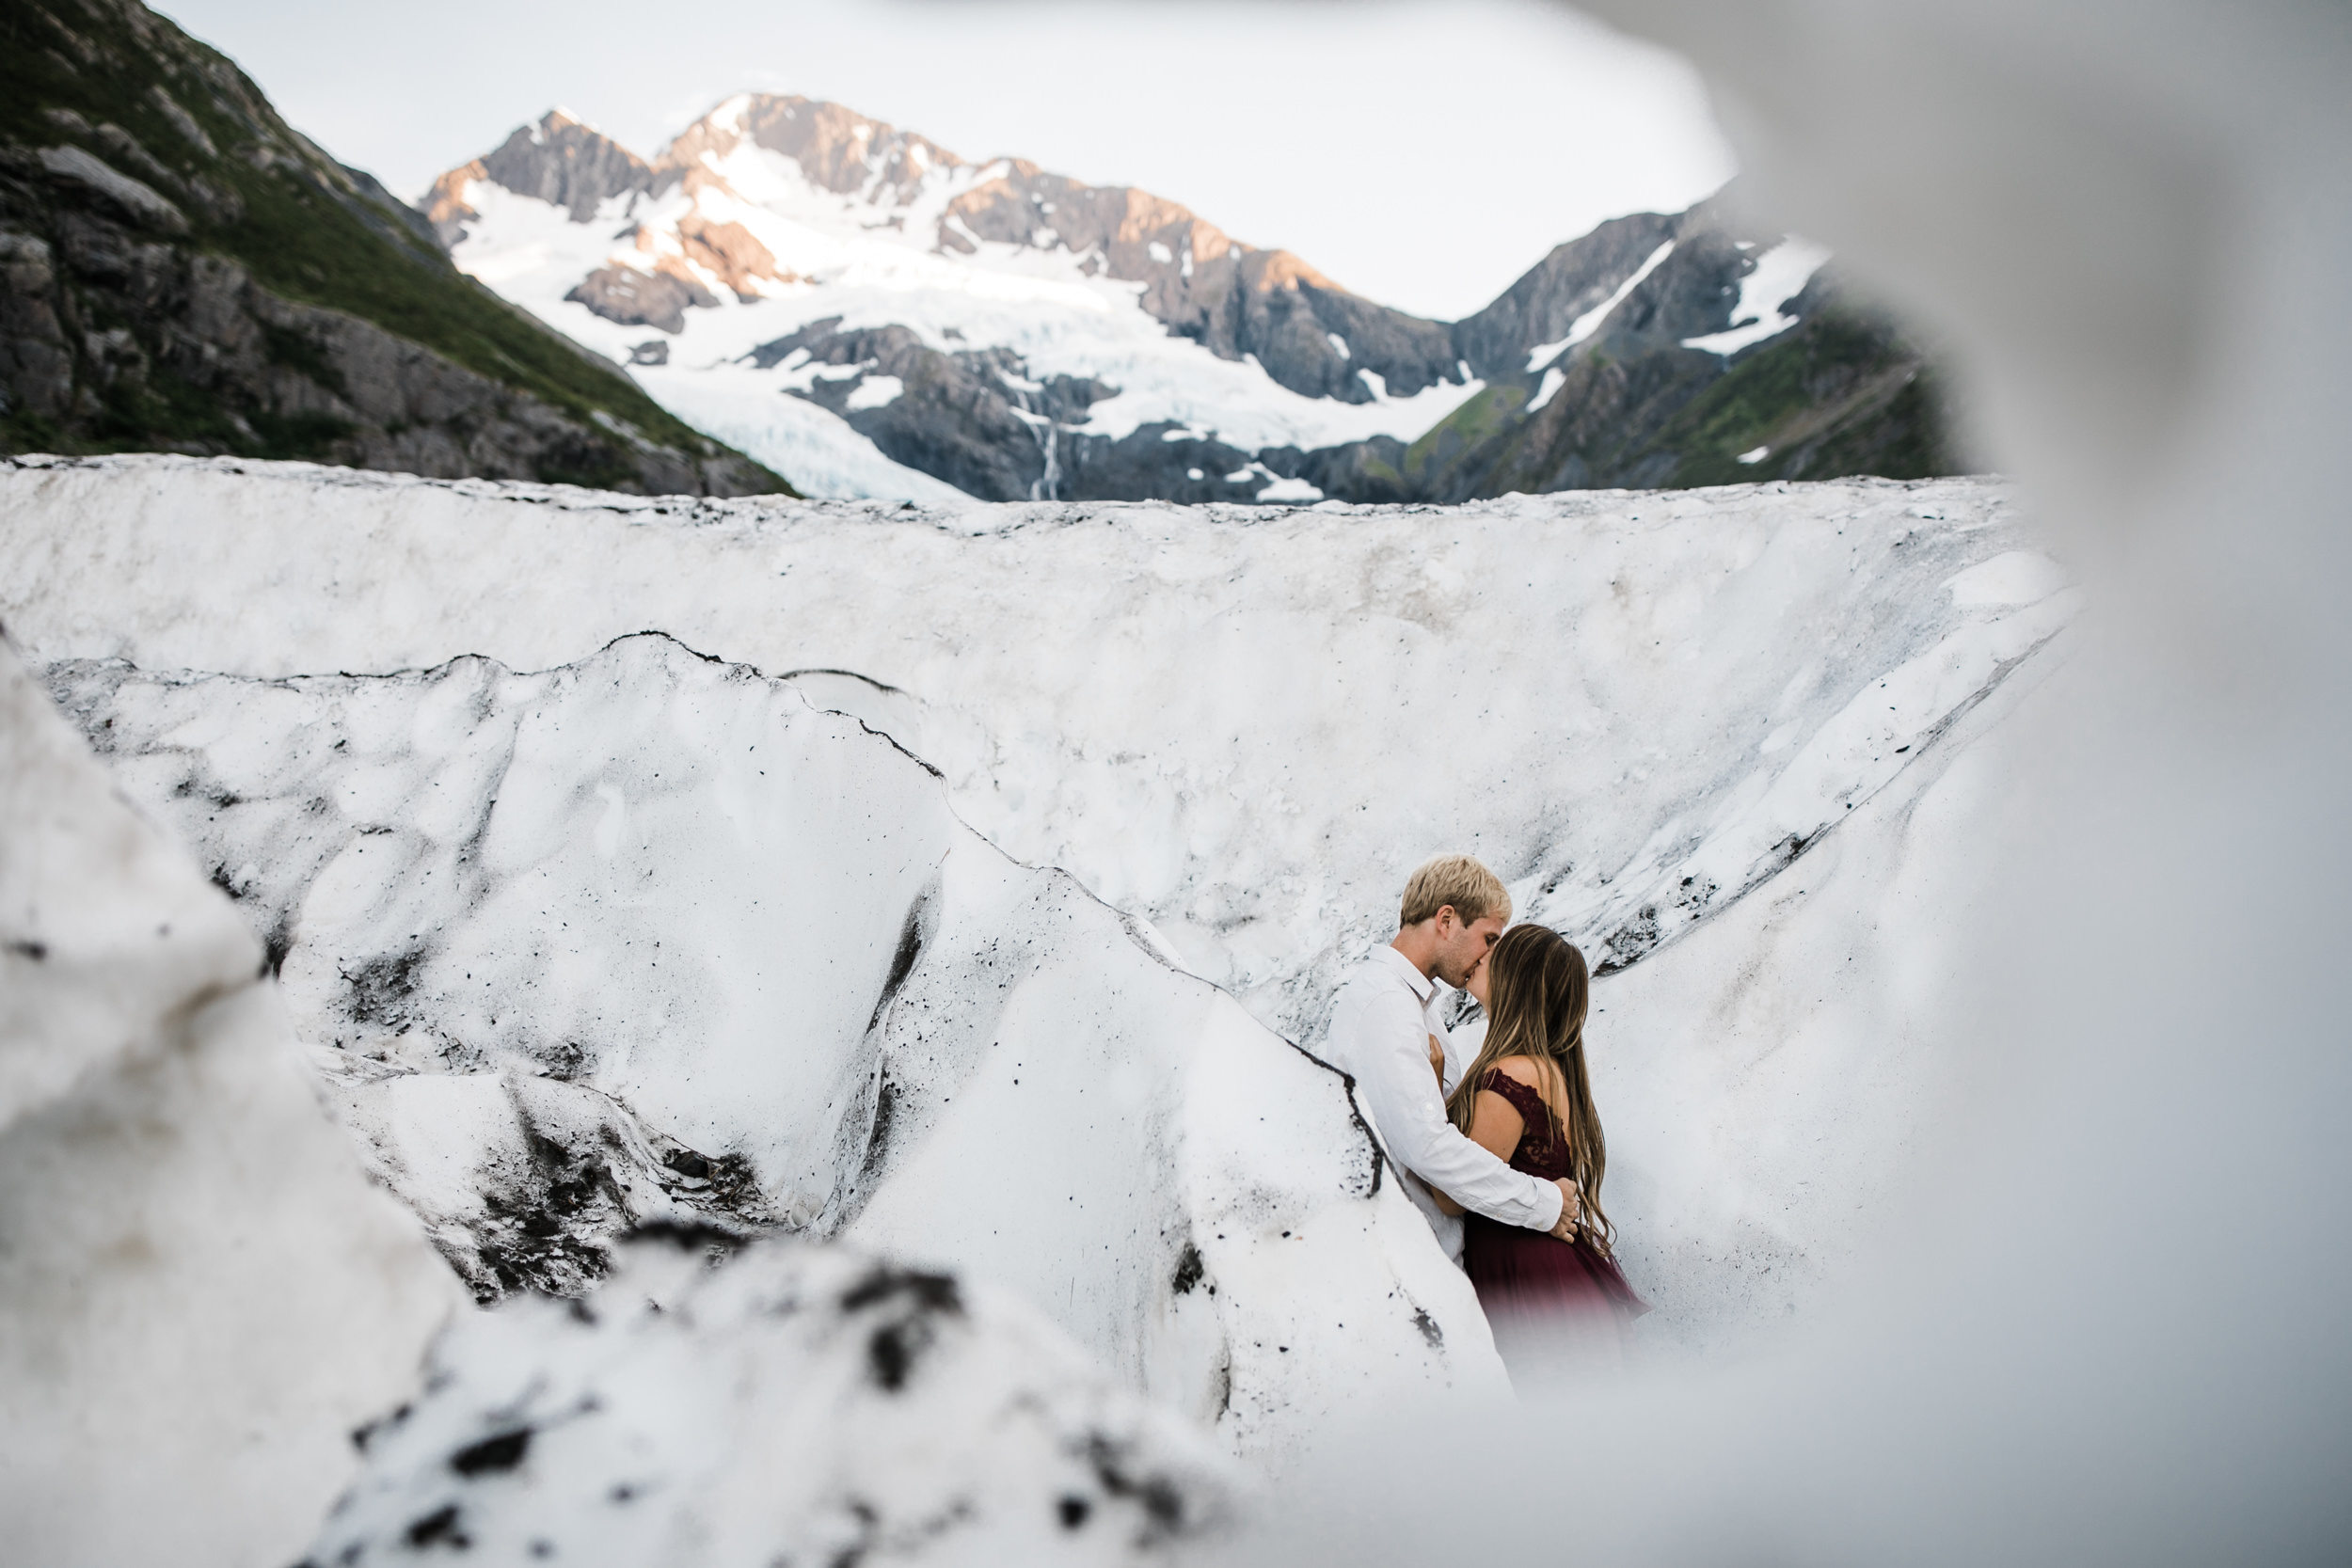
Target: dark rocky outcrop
(1843, 392)
(559, 160)
(182, 271)
(568, 164)
(970, 418)
(1552, 293)
(633, 299)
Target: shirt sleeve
(1461, 1044)
(1386, 1045)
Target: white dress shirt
(1380, 1029)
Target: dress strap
(1522, 1097)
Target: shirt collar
(1423, 986)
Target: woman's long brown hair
(1541, 989)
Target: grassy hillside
(132, 89)
(1840, 394)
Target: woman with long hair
(1528, 1097)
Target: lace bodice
(1541, 1153)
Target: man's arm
(1390, 1056)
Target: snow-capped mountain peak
(1057, 307)
(874, 314)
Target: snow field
(818, 450)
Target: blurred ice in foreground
(2110, 1324)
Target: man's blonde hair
(1460, 880)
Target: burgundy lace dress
(1549, 1301)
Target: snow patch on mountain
(1778, 276)
(1542, 355)
(1041, 308)
(822, 452)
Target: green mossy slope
(130, 89)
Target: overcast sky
(1423, 155)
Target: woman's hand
(1478, 981)
(1437, 1060)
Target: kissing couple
(1492, 1131)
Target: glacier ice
(1192, 710)
(647, 939)
(2109, 1328)
(804, 1404)
(1650, 711)
(2103, 1322)
(200, 1292)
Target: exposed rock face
(969, 417)
(568, 164)
(658, 298)
(1551, 296)
(288, 378)
(731, 253)
(1638, 357)
(180, 270)
(973, 418)
(558, 161)
(836, 148)
(1235, 298)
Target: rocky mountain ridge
(1310, 334)
(1667, 351)
(1645, 353)
(180, 270)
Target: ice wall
(200, 1294)
(1245, 725)
(648, 939)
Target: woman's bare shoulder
(1522, 1068)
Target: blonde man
(1382, 1023)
